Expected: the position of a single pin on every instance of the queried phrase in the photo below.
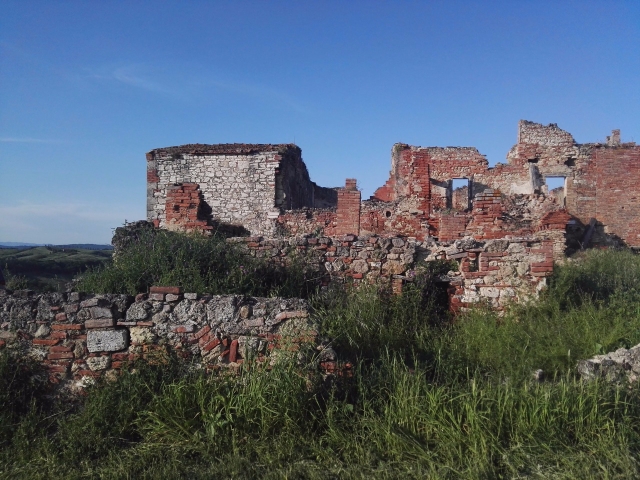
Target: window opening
(557, 189)
(460, 194)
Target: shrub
(199, 264)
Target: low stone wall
(497, 272)
(82, 336)
(361, 258)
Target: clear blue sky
(87, 87)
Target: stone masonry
(266, 189)
(79, 336)
(247, 185)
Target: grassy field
(47, 268)
(428, 398)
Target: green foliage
(15, 282)
(427, 399)
(597, 275)
(366, 322)
(198, 264)
(22, 388)
(591, 307)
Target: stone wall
(82, 336)
(494, 271)
(247, 185)
(367, 258)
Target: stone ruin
(503, 225)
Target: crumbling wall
(368, 258)
(495, 272)
(184, 210)
(248, 185)
(82, 336)
(308, 220)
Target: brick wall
(617, 174)
(183, 209)
(348, 209)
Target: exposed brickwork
(348, 210)
(183, 209)
(266, 188)
(452, 227)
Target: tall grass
(592, 306)
(426, 399)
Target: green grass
(427, 399)
(198, 264)
(47, 268)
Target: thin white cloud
(129, 76)
(197, 85)
(260, 91)
(136, 76)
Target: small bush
(199, 264)
(22, 389)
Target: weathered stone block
(98, 363)
(141, 335)
(107, 340)
(101, 312)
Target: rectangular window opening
(556, 188)
(460, 194)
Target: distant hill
(80, 246)
(46, 268)
(85, 246)
(19, 244)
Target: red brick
(206, 338)
(60, 349)
(99, 323)
(233, 351)
(42, 341)
(61, 317)
(60, 356)
(67, 327)
(211, 345)
(200, 333)
(165, 290)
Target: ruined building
(503, 225)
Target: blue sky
(88, 87)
